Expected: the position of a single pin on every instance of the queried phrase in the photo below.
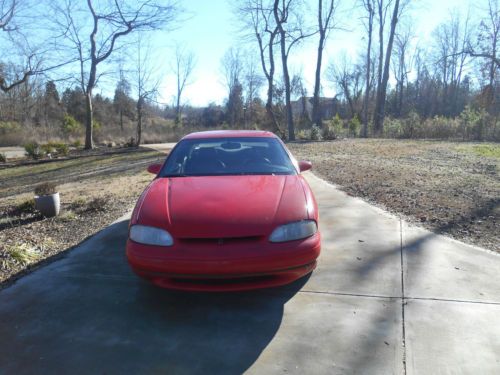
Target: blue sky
(212, 28)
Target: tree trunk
(178, 109)
(364, 131)
(288, 103)
(139, 121)
(381, 42)
(380, 104)
(400, 95)
(270, 79)
(316, 115)
(286, 78)
(89, 143)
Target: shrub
(393, 128)
(70, 126)
(315, 134)
(47, 188)
(55, 148)
(334, 128)
(354, 126)
(440, 127)
(473, 123)
(303, 134)
(61, 148)
(328, 132)
(48, 148)
(77, 144)
(411, 125)
(3, 159)
(130, 142)
(33, 150)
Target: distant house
(303, 106)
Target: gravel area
(448, 187)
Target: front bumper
(213, 267)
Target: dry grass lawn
(451, 188)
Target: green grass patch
(487, 150)
(490, 150)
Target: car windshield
(227, 156)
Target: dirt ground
(96, 189)
(450, 188)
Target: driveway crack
(403, 300)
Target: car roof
(230, 134)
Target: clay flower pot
(48, 205)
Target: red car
(228, 210)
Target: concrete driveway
(386, 298)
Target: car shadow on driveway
(87, 313)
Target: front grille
(221, 241)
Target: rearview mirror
(231, 145)
(304, 165)
(154, 168)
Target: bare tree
(348, 78)
(147, 82)
(488, 40)
(382, 89)
(382, 8)
(110, 21)
(451, 38)
(121, 99)
(287, 16)
(299, 90)
(369, 6)
(7, 9)
(326, 23)
(401, 66)
(259, 18)
(185, 63)
(232, 68)
(11, 78)
(252, 84)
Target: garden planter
(48, 205)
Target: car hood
(222, 206)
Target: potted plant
(47, 199)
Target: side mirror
(154, 168)
(305, 165)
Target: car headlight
(150, 235)
(294, 231)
